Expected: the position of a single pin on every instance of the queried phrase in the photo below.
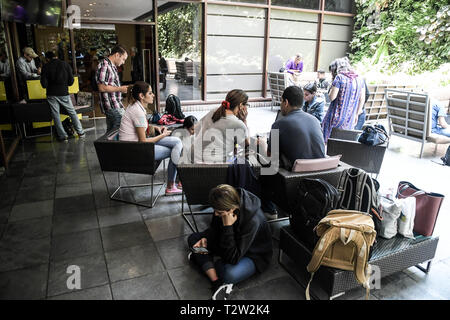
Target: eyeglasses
(247, 105)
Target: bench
(390, 256)
(409, 116)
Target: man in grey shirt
(300, 134)
(26, 65)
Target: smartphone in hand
(199, 250)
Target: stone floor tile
(93, 273)
(173, 252)
(125, 236)
(74, 222)
(167, 228)
(28, 229)
(75, 245)
(97, 293)
(24, 284)
(31, 210)
(118, 215)
(133, 262)
(151, 287)
(19, 255)
(74, 204)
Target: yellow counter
(35, 90)
(2, 91)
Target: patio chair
(128, 157)
(198, 180)
(354, 153)
(409, 115)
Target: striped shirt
(107, 75)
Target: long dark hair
(134, 91)
(233, 99)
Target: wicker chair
(354, 153)
(130, 157)
(198, 180)
(285, 183)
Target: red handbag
(428, 205)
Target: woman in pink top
(134, 125)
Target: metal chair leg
(152, 198)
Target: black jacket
(249, 236)
(57, 76)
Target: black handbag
(373, 135)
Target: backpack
(346, 237)
(68, 127)
(360, 192)
(446, 159)
(315, 198)
(173, 106)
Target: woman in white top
(219, 130)
(134, 127)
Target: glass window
(180, 49)
(235, 50)
(346, 6)
(303, 4)
(292, 33)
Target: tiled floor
(55, 213)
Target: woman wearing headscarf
(347, 95)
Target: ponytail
(136, 89)
(233, 99)
(130, 98)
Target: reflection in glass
(180, 51)
(5, 69)
(346, 6)
(302, 4)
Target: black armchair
(129, 157)
(32, 112)
(354, 153)
(198, 180)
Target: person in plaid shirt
(109, 87)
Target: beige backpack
(345, 240)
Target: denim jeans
(444, 132)
(228, 273)
(169, 147)
(113, 118)
(55, 102)
(361, 120)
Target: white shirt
(134, 117)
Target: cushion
(438, 138)
(311, 165)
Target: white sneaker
(223, 292)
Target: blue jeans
(55, 102)
(113, 118)
(228, 273)
(169, 147)
(442, 131)
(361, 120)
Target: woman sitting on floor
(134, 127)
(238, 234)
(218, 132)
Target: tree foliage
(402, 35)
(179, 32)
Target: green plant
(179, 31)
(402, 35)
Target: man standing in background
(109, 86)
